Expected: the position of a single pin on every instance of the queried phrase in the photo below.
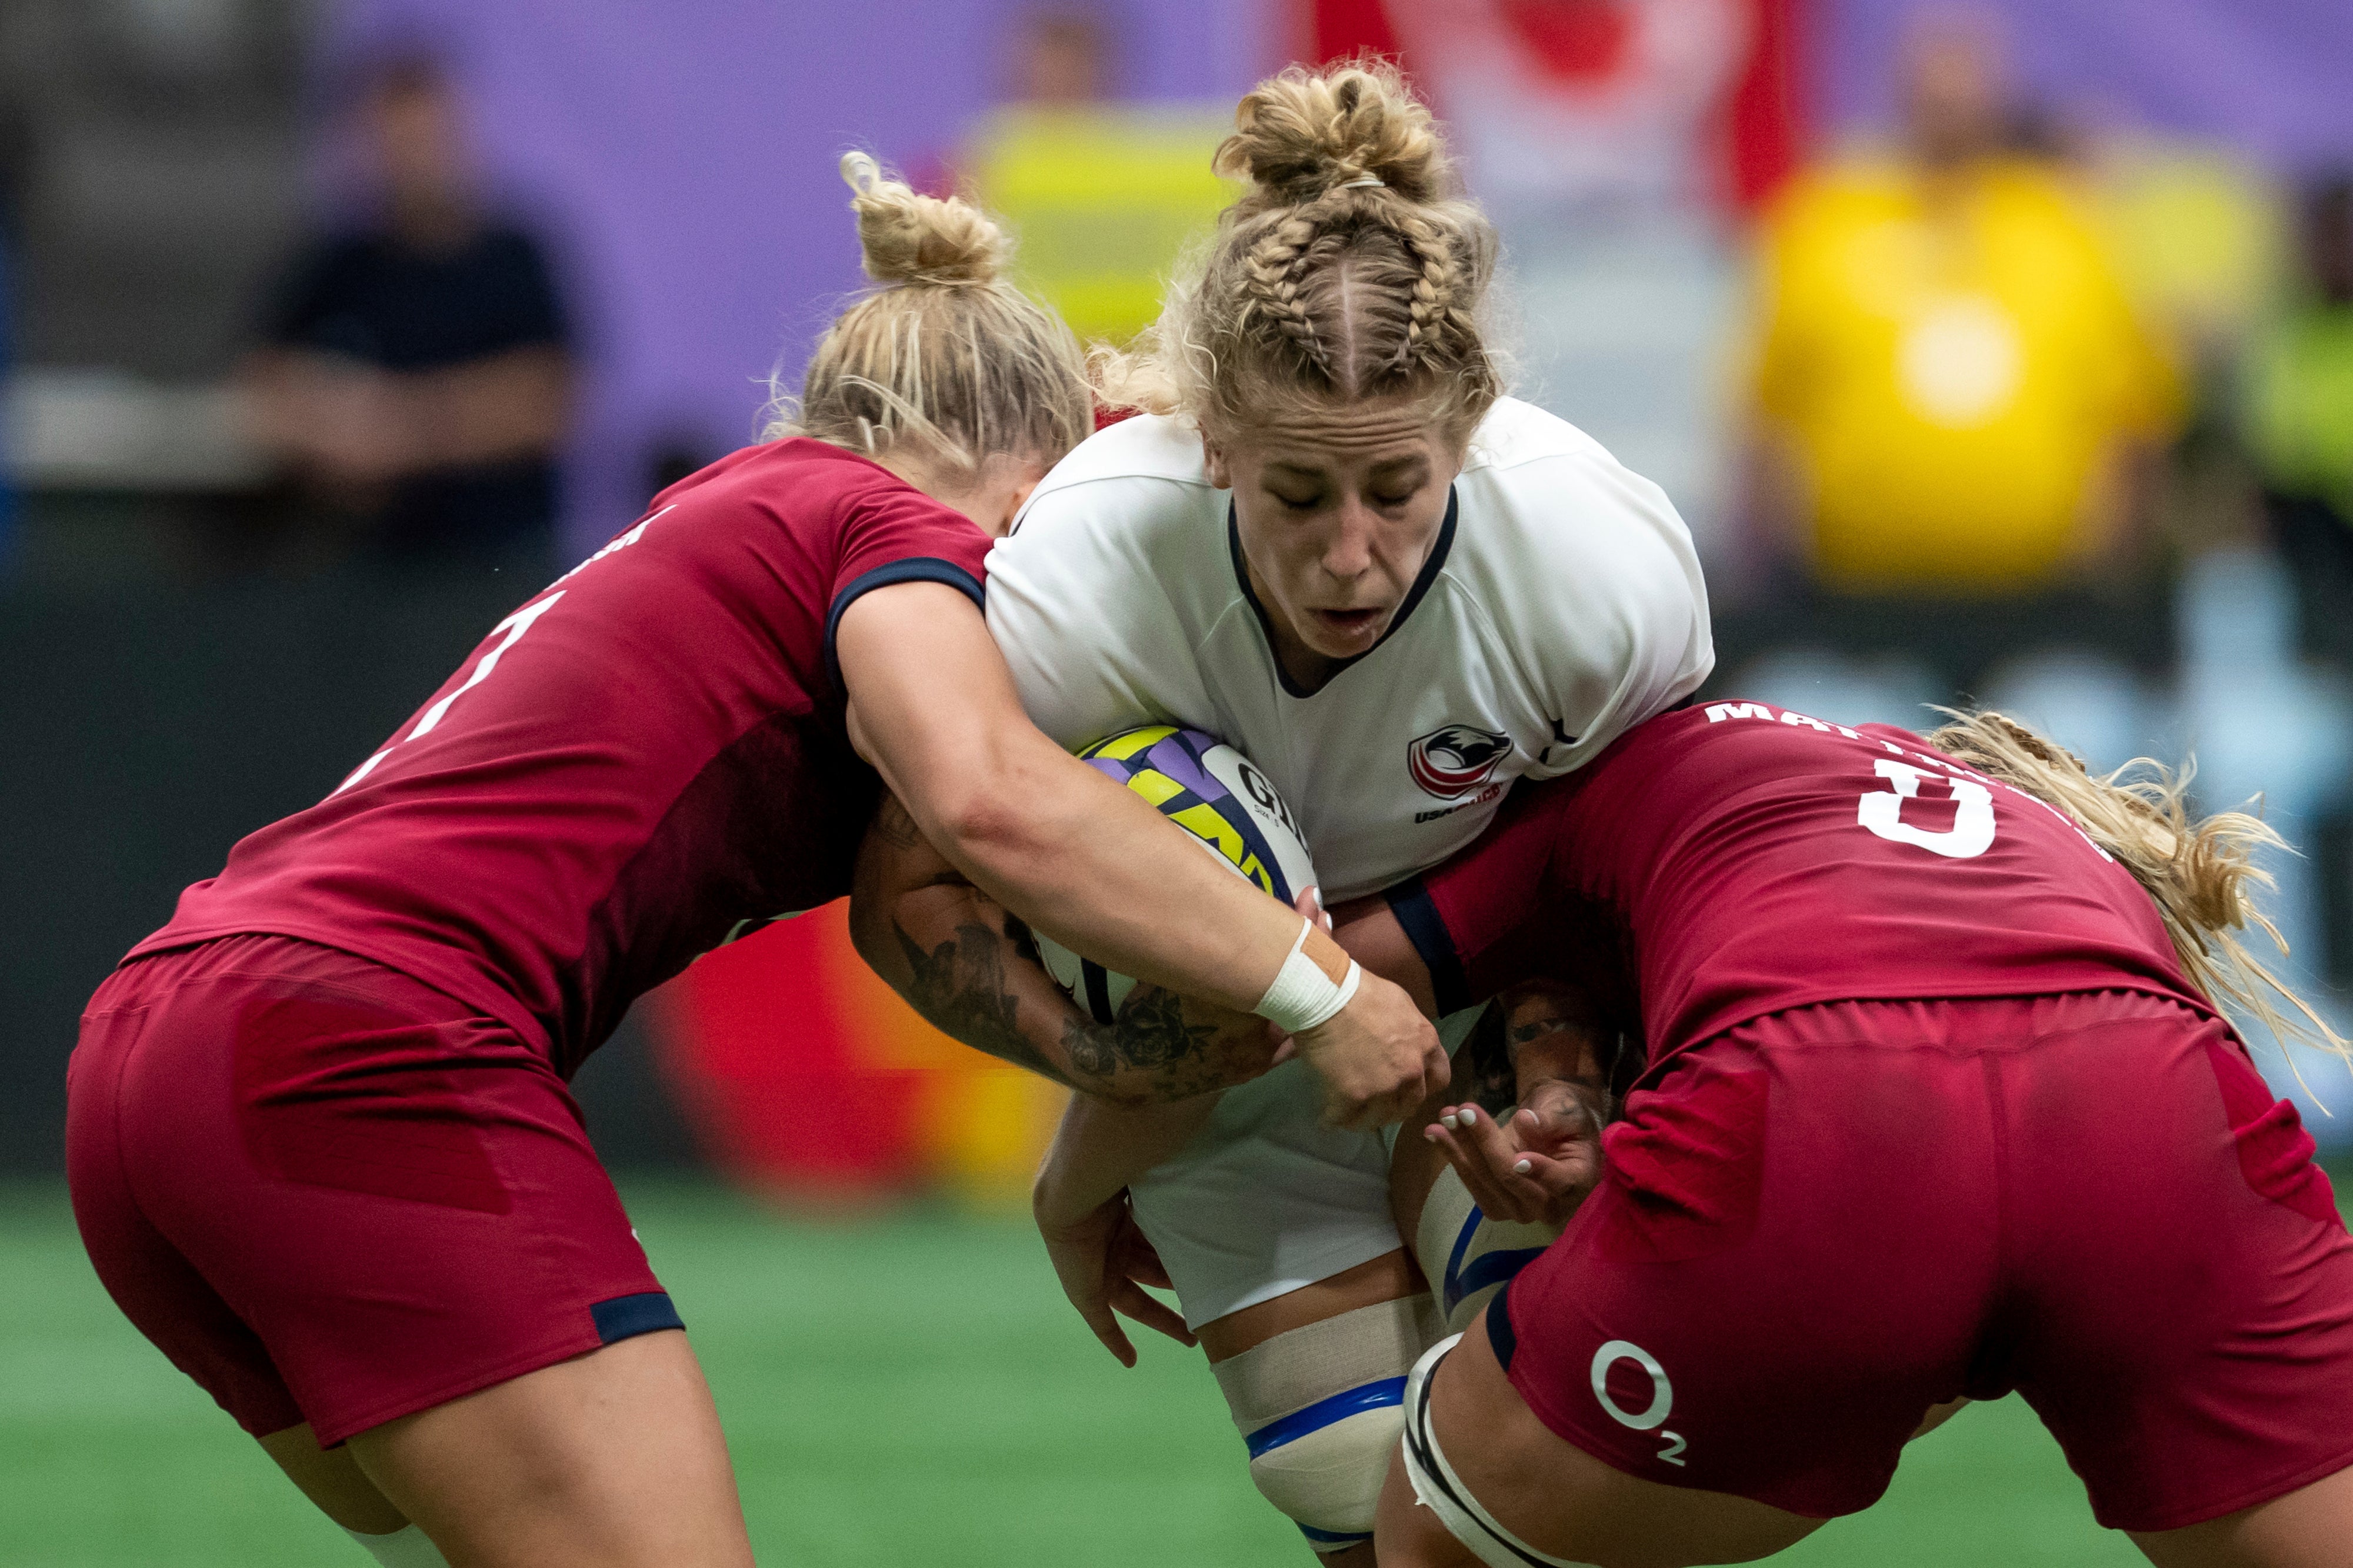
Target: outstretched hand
(1535, 1167)
(1103, 1263)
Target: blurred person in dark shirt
(2301, 421)
(417, 378)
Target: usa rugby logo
(1456, 760)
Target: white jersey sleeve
(1598, 599)
(1087, 596)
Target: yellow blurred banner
(1103, 200)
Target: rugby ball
(1217, 794)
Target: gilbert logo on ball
(1451, 761)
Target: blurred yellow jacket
(1955, 372)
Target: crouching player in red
(320, 1142)
(1937, 1106)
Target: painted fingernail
(1522, 1167)
(1430, 1134)
(1469, 1115)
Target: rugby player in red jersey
(318, 1140)
(1937, 1106)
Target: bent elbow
(991, 828)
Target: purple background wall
(2274, 77)
(681, 155)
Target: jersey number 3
(1881, 811)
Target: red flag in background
(1764, 130)
(804, 1076)
(1342, 30)
(1709, 86)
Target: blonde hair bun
(907, 238)
(946, 365)
(1302, 133)
(1351, 268)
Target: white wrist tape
(1302, 995)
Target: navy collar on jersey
(1429, 574)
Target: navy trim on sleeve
(914, 568)
(625, 1317)
(1501, 1334)
(1410, 902)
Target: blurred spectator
(1102, 194)
(1955, 402)
(2301, 423)
(417, 378)
(1061, 62)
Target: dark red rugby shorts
(1820, 1223)
(330, 1194)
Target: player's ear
(1005, 498)
(1214, 457)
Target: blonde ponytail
(2202, 873)
(944, 364)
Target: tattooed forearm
(974, 986)
(1151, 1032)
(960, 987)
(1155, 1047)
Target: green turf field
(905, 1392)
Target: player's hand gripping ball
(1212, 792)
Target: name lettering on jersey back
(1717, 712)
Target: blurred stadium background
(2003, 351)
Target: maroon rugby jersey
(1749, 859)
(645, 760)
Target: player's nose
(1348, 551)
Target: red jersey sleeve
(894, 534)
(1462, 917)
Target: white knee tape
(1467, 1258)
(1319, 1409)
(405, 1548)
(1437, 1488)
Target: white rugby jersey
(1561, 604)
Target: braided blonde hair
(2201, 872)
(943, 364)
(1351, 268)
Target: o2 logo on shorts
(1451, 761)
(1662, 1393)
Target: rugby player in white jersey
(1330, 539)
